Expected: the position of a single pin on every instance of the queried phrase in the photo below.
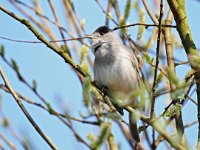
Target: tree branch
(178, 9)
(37, 128)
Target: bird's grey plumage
(115, 67)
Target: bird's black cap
(102, 30)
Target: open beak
(89, 36)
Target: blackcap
(115, 69)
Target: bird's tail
(133, 128)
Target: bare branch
(37, 128)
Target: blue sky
(56, 80)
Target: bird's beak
(89, 36)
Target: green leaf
(86, 67)
(34, 85)
(83, 53)
(64, 48)
(127, 9)
(172, 77)
(103, 135)
(135, 115)
(2, 52)
(142, 100)
(122, 19)
(50, 110)
(148, 59)
(141, 28)
(95, 93)
(113, 116)
(86, 91)
(136, 6)
(122, 22)
(26, 143)
(14, 65)
(92, 137)
(159, 78)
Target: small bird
(115, 69)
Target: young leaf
(2, 52)
(122, 19)
(104, 133)
(113, 116)
(51, 111)
(86, 91)
(148, 59)
(159, 78)
(141, 28)
(34, 85)
(64, 48)
(92, 137)
(85, 66)
(172, 77)
(135, 115)
(14, 65)
(83, 53)
(127, 9)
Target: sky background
(56, 80)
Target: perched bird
(115, 69)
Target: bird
(115, 69)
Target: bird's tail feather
(133, 128)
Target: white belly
(117, 77)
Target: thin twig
(159, 129)
(143, 24)
(150, 13)
(40, 25)
(157, 60)
(58, 21)
(156, 69)
(108, 11)
(37, 128)
(51, 110)
(171, 67)
(2, 147)
(192, 100)
(181, 101)
(116, 7)
(51, 21)
(36, 42)
(105, 12)
(76, 135)
(126, 133)
(178, 9)
(9, 143)
(190, 124)
(48, 44)
(111, 142)
(84, 73)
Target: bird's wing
(134, 62)
(141, 85)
